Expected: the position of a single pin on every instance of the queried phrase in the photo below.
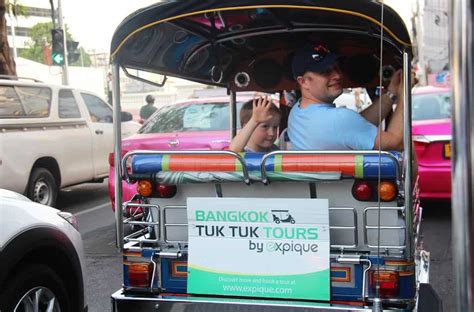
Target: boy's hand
(261, 109)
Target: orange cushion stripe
(319, 163)
(224, 163)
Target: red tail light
(362, 190)
(421, 143)
(139, 274)
(388, 282)
(147, 188)
(166, 191)
(112, 160)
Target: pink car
(198, 124)
(432, 137)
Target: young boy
(259, 119)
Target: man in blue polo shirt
(316, 124)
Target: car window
(24, 101)
(98, 109)
(67, 105)
(431, 106)
(192, 117)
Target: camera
(387, 72)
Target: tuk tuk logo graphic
(282, 216)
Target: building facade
(431, 36)
(19, 27)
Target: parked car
(197, 124)
(52, 137)
(41, 256)
(431, 109)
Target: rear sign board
(259, 247)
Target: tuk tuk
(286, 230)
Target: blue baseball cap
(316, 58)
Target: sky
(93, 22)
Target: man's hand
(396, 84)
(261, 109)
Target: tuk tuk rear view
(303, 230)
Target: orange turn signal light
(388, 191)
(138, 274)
(144, 188)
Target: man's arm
(372, 112)
(392, 138)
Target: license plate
(447, 150)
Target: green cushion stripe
(359, 166)
(165, 163)
(238, 164)
(277, 163)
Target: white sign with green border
(259, 247)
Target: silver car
(41, 256)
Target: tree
(41, 38)
(7, 63)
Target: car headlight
(70, 218)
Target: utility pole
(61, 26)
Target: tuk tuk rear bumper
(121, 303)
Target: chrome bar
(354, 227)
(266, 156)
(233, 114)
(147, 152)
(149, 222)
(357, 259)
(117, 119)
(462, 161)
(387, 227)
(170, 254)
(166, 224)
(407, 139)
(349, 259)
(155, 265)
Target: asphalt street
(90, 203)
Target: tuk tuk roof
(211, 41)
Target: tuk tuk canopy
(221, 42)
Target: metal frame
(117, 155)
(463, 152)
(407, 139)
(384, 227)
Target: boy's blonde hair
(246, 112)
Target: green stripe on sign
(309, 286)
(277, 160)
(359, 166)
(165, 163)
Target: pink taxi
(431, 112)
(197, 124)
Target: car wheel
(42, 187)
(35, 287)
